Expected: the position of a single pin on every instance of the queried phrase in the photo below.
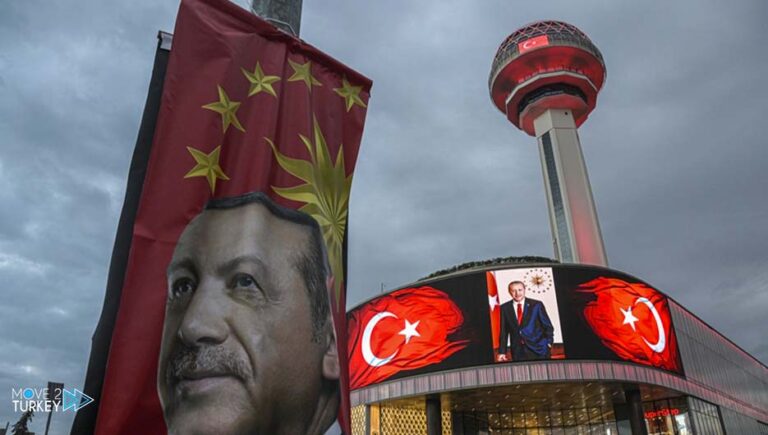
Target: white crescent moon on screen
(368, 355)
(526, 44)
(662, 343)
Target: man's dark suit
(533, 338)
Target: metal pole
(48, 422)
(285, 14)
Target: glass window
(517, 420)
(543, 418)
(569, 417)
(595, 416)
(531, 420)
(556, 417)
(581, 416)
(705, 417)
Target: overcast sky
(676, 152)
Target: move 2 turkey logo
(632, 320)
(404, 330)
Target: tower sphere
(546, 65)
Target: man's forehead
(243, 224)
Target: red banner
(494, 306)
(250, 172)
(404, 330)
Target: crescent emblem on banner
(368, 354)
(528, 44)
(659, 346)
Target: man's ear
(331, 369)
(329, 282)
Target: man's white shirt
(334, 429)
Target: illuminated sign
(661, 413)
(530, 44)
(507, 315)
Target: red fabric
(530, 44)
(606, 316)
(494, 307)
(213, 41)
(438, 318)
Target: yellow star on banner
(227, 109)
(259, 81)
(302, 72)
(207, 166)
(351, 94)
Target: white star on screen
(493, 301)
(410, 330)
(629, 318)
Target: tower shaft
(572, 213)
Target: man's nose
(204, 320)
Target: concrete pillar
(635, 410)
(372, 420)
(434, 416)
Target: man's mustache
(205, 361)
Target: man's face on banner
(517, 291)
(240, 353)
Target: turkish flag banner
(404, 330)
(633, 321)
(530, 44)
(237, 259)
(493, 306)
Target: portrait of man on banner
(248, 341)
(524, 315)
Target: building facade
(591, 351)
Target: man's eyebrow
(230, 265)
(183, 263)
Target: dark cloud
(675, 151)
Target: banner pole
(285, 14)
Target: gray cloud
(675, 152)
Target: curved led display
(513, 314)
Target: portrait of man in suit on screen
(526, 331)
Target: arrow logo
(75, 399)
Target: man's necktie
(519, 314)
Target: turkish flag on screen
(403, 330)
(633, 321)
(493, 307)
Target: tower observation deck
(545, 77)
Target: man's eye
(181, 287)
(245, 281)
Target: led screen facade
(506, 315)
